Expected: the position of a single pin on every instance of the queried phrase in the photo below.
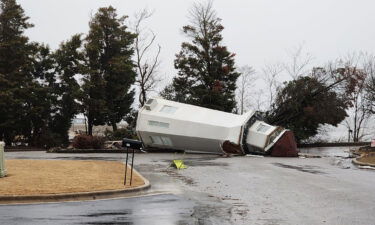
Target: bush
(119, 134)
(48, 140)
(83, 141)
(97, 142)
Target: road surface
(215, 190)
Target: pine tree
(68, 64)
(15, 67)
(41, 99)
(110, 70)
(206, 72)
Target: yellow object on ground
(179, 164)
(36, 177)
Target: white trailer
(170, 125)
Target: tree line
(43, 90)
(95, 74)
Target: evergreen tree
(304, 104)
(41, 98)
(206, 72)
(110, 70)
(15, 66)
(68, 64)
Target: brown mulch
(36, 177)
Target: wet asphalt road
(214, 190)
(166, 203)
(150, 210)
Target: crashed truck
(169, 125)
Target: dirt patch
(36, 177)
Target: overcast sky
(258, 31)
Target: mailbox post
(3, 171)
(132, 144)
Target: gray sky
(258, 31)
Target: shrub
(48, 139)
(119, 134)
(83, 141)
(97, 142)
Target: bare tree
(245, 84)
(147, 56)
(358, 67)
(370, 84)
(299, 62)
(270, 76)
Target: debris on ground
(178, 164)
(306, 155)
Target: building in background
(79, 126)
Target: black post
(126, 164)
(131, 172)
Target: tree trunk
(86, 130)
(114, 126)
(143, 96)
(242, 99)
(8, 139)
(89, 127)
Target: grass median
(43, 177)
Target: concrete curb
(343, 144)
(83, 151)
(79, 196)
(356, 162)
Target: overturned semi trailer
(168, 125)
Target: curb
(343, 144)
(356, 162)
(79, 196)
(80, 151)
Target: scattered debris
(113, 145)
(178, 164)
(306, 155)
